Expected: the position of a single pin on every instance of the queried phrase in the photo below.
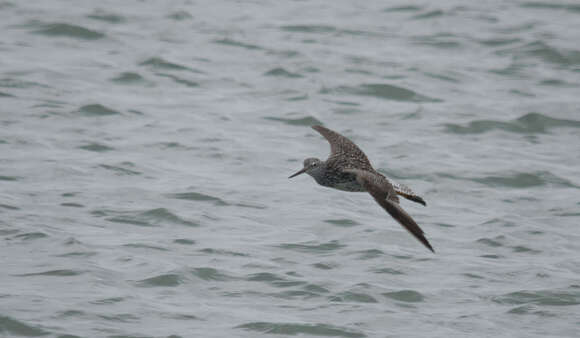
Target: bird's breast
(339, 180)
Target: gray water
(145, 148)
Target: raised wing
(384, 194)
(338, 143)
(344, 149)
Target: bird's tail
(407, 193)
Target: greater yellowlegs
(348, 168)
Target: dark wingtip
(424, 241)
(428, 245)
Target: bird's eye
(314, 164)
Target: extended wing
(384, 194)
(344, 150)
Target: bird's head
(311, 167)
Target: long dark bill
(301, 171)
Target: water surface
(145, 148)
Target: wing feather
(384, 194)
(341, 146)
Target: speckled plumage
(348, 168)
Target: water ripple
(165, 280)
(293, 329)
(541, 50)
(212, 251)
(97, 110)
(111, 300)
(184, 241)
(309, 28)
(19, 83)
(53, 273)
(234, 43)
(180, 15)
(281, 72)
(148, 218)
(381, 91)
(314, 248)
(429, 15)
(129, 78)
(121, 169)
(523, 180)
(343, 222)
(369, 254)
(540, 297)
(530, 309)
(15, 327)
(409, 296)
(108, 17)
(147, 247)
(196, 196)
(294, 294)
(96, 147)
(530, 123)
(409, 8)
(211, 274)
(120, 317)
(441, 40)
(388, 271)
(550, 5)
(273, 280)
(494, 243)
(29, 236)
(9, 178)
(325, 266)
(158, 63)
(69, 30)
(9, 207)
(356, 297)
(499, 41)
(179, 80)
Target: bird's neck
(320, 174)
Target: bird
(347, 168)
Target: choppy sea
(145, 148)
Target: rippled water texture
(145, 148)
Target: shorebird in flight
(348, 168)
